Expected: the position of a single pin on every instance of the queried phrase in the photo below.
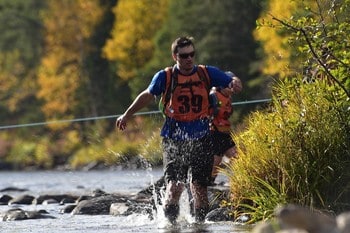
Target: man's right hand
(120, 123)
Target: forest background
(69, 60)
(66, 60)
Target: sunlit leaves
(131, 45)
(62, 72)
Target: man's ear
(174, 57)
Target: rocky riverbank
(288, 219)
(100, 202)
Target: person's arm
(141, 101)
(221, 79)
(235, 85)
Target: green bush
(295, 152)
(22, 154)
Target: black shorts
(221, 142)
(191, 159)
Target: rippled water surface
(80, 182)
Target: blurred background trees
(66, 60)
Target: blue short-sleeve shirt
(179, 130)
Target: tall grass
(298, 151)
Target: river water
(84, 182)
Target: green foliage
(297, 152)
(299, 148)
(22, 154)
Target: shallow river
(80, 182)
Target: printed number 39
(187, 104)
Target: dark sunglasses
(186, 55)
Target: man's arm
(235, 85)
(141, 101)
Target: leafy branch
(313, 51)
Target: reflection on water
(79, 182)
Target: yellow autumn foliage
(275, 44)
(61, 71)
(131, 45)
(278, 59)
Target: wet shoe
(171, 212)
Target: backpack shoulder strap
(170, 83)
(204, 76)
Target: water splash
(185, 218)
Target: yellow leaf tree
(279, 56)
(131, 45)
(68, 25)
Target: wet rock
(118, 209)
(83, 197)
(68, 200)
(216, 194)
(343, 222)
(97, 205)
(22, 200)
(4, 199)
(219, 214)
(13, 189)
(140, 208)
(68, 209)
(293, 216)
(156, 187)
(297, 219)
(20, 214)
(57, 198)
(98, 193)
(50, 201)
(14, 214)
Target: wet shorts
(191, 159)
(221, 142)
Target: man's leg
(172, 197)
(175, 173)
(201, 203)
(201, 168)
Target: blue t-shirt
(179, 130)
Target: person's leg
(201, 167)
(216, 165)
(172, 196)
(200, 201)
(175, 173)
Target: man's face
(185, 58)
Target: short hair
(180, 43)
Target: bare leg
(201, 203)
(172, 196)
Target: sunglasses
(186, 55)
